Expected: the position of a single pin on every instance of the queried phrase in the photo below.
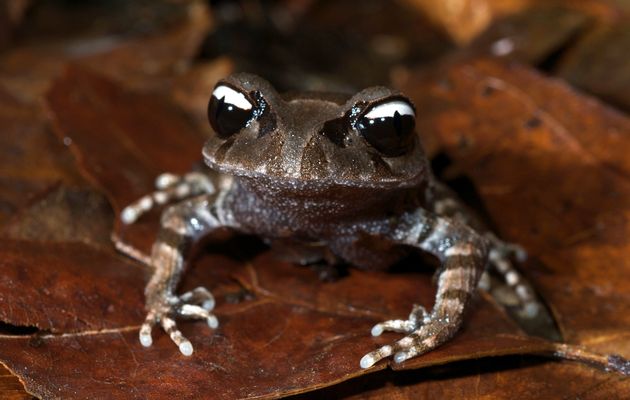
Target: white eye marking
(232, 97)
(389, 109)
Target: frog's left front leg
(181, 226)
(463, 254)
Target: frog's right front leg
(181, 226)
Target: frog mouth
(296, 181)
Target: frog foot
(424, 333)
(195, 304)
(500, 258)
(506, 249)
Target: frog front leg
(181, 226)
(463, 254)
(443, 201)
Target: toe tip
(208, 304)
(400, 357)
(377, 330)
(128, 216)
(146, 340)
(213, 322)
(367, 361)
(531, 310)
(186, 348)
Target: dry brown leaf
(465, 19)
(551, 166)
(289, 332)
(599, 64)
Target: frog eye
(388, 127)
(229, 111)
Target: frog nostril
(219, 154)
(379, 165)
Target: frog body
(325, 178)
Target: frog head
(367, 140)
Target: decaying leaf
(32, 159)
(492, 378)
(549, 164)
(67, 287)
(540, 156)
(64, 214)
(465, 19)
(533, 36)
(599, 64)
(292, 333)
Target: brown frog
(340, 180)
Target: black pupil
(225, 118)
(391, 136)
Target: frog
(339, 179)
